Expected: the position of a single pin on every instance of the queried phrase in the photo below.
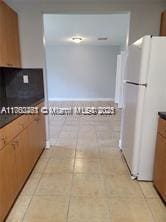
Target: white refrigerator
(121, 63)
(144, 97)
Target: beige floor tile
(58, 152)
(148, 190)
(86, 135)
(45, 155)
(129, 210)
(109, 143)
(31, 184)
(40, 166)
(84, 209)
(67, 143)
(110, 153)
(100, 128)
(91, 166)
(70, 128)
(19, 209)
(85, 128)
(122, 186)
(104, 136)
(86, 146)
(87, 143)
(87, 154)
(47, 209)
(67, 135)
(55, 129)
(158, 209)
(60, 166)
(54, 184)
(88, 185)
(113, 166)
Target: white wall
(81, 72)
(145, 19)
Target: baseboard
(47, 144)
(82, 99)
(120, 144)
(52, 142)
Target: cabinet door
(32, 143)
(13, 48)
(23, 154)
(163, 24)
(9, 37)
(160, 166)
(8, 179)
(41, 132)
(3, 34)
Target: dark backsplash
(14, 92)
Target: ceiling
(86, 1)
(59, 29)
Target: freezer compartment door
(131, 124)
(137, 61)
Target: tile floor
(84, 178)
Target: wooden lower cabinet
(17, 160)
(40, 127)
(160, 160)
(8, 179)
(23, 157)
(34, 143)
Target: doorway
(81, 60)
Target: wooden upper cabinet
(163, 24)
(9, 37)
(160, 160)
(3, 34)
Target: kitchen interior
(100, 168)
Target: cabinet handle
(3, 139)
(16, 142)
(14, 146)
(37, 119)
(10, 65)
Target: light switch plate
(25, 79)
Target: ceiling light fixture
(77, 39)
(102, 38)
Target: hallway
(84, 177)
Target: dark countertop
(8, 118)
(162, 115)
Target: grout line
(32, 196)
(67, 216)
(102, 175)
(150, 210)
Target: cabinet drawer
(3, 137)
(10, 131)
(160, 166)
(162, 127)
(24, 121)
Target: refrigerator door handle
(137, 84)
